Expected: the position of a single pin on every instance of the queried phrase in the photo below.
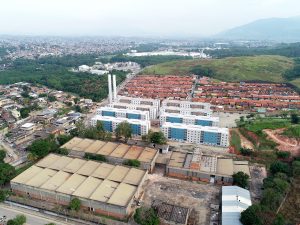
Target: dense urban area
(149, 131)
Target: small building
(28, 127)
(234, 201)
(203, 167)
(102, 188)
(114, 153)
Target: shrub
(146, 216)
(75, 204)
(283, 154)
(279, 167)
(95, 157)
(241, 179)
(132, 162)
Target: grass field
(235, 140)
(267, 123)
(264, 68)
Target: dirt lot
(195, 196)
(284, 143)
(258, 174)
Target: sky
(164, 18)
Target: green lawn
(263, 68)
(293, 131)
(235, 140)
(267, 123)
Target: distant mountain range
(277, 29)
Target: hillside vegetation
(246, 68)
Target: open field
(263, 68)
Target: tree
(62, 139)
(75, 204)
(18, 220)
(3, 195)
(281, 185)
(278, 166)
(96, 157)
(7, 172)
(76, 100)
(77, 108)
(132, 162)
(157, 138)
(123, 130)
(241, 179)
(2, 155)
(42, 147)
(246, 151)
(24, 112)
(294, 118)
(279, 220)
(296, 168)
(251, 216)
(62, 151)
(146, 216)
(271, 198)
(51, 98)
(283, 154)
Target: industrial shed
(115, 153)
(102, 188)
(208, 168)
(234, 201)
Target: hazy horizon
(167, 18)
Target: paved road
(33, 218)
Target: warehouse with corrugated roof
(102, 188)
(116, 153)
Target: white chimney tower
(114, 88)
(109, 89)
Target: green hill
(263, 68)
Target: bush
(62, 151)
(246, 151)
(95, 157)
(271, 198)
(132, 162)
(75, 204)
(146, 216)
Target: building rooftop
(195, 127)
(83, 178)
(211, 164)
(117, 150)
(234, 201)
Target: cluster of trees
(98, 132)
(148, 60)
(293, 73)
(156, 137)
(276, 186)
(146, 216)
(7, 172)
(203, 71)
(54, 73)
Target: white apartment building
(189, 119)
(186, 104)
(186, 111)
(138, 127)
(153, 111)
(123, 113)
(138, 101)
(196, 134)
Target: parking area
(195, 196)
